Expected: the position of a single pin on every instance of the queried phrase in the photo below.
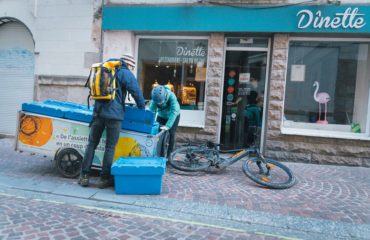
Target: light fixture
(159, 55)
(174, 70)
(335, 2)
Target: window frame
(323, 133)
(189, 118)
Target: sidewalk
(328, 202)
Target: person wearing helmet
(164, 102)
(108, 115)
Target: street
(328, 202)
(33, 219)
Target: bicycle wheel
(269, 173)
(190, 159)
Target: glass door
(243, 96)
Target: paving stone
(323, 192)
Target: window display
(179, 64)
(327, 86)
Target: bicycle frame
(213, 155)
(237, 156)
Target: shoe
(105, 183)
(84, 180)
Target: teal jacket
(253, 113)
(170, 109)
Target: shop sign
(187, 55)
(244, 77)
(349, 19)
(195, 52)
(309, 18)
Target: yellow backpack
(102, 80)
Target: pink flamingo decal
(321, 98)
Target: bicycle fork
(261, 169)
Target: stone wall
(213, 96)
(63, 88)
(303, 148)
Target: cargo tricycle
(65, 140)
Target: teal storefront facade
(305, 66)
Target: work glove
(164, 128)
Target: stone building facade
(65, 47)
(63, 39)
(286, 134)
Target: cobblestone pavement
(29, 219)
(335, 194)
(325, 192)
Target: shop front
(307, 74)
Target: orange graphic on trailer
(35, 131)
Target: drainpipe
(35, 8)
(101, 33)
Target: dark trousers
(112, 134)
(172, 131)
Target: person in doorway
(108, 115)
(252, 118)
(164, 102)
(254, 83)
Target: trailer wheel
(68, 162)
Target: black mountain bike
(267, 172)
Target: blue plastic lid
(139, 166)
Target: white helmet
(129, 59)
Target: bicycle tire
(189, 159)
(281, 171)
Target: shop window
(180, 64)
(327, 88)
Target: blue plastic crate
(140, 127)
(137, 120)
(133, 114)
(138, 175)
(79, 115)
(70, 105)
(44, 109)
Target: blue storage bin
(140, 127)
(70, 105)
(138, 175)
(79, 115)
(44, 109)
(133, 114)
(137, 120)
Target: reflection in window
(247, 42)
(178, 63)
(327, 86)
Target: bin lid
(139, 166)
